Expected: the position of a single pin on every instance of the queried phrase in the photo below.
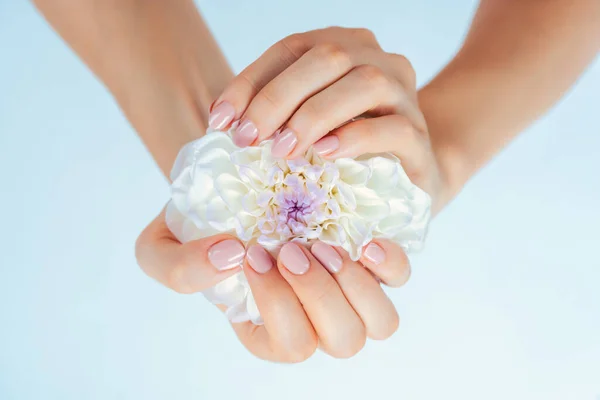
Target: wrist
(445, 128)
(166, 77)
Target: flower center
(296, 209)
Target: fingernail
(374, 253)
(221, 116)
(245, 133)
(259, 259)
(327, 145)
(327, 256)
(227, 254)
(293, 259)
(284, 143)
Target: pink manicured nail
(327, 145)
(227, 254)
(293, 259)
(245, 133)
(221, 116)
(284, 143)
(259, 259)
(327, 256)
(374, 253)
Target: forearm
(518, 59)
(158, 58)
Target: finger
(364, 88)
(234, 100)
(340, 330)
(287, 334)
(387, 261)
(272, 106)
(361, 289)
(389, 133)
(190, 267)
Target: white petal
(384, 174)
(345, 196)
(246, 156)
(245, 226)
(369, 205)
(238, 313)
(231, 191)
(219, 216)
(209, 144)
(298, 164)
(183, 228)
(264, 199)
(231, 291)
(253, 312)
(250, 205)
(359, 234)
(333, 234)
(352, 172)
(400, 216)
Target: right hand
(334, 304)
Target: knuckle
(295, 44)
(176, 277)
(324, 291)
(406, 68)
(334, 53)
(267, 100)
(374, 75)
(365, 33)
(243, 79)
(307, 119)
(174, 280)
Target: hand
(190, 267)
(319, 297)
(301, 302)
(309, 85)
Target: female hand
(308, 86)
(319, 297)
(312, 297)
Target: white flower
(218, 187)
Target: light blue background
(504, 302)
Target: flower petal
(231, 190)
(218, 215)
(352, 172)
(229, 292)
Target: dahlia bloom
(218, 187)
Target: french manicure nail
(227, 254)
(293, 259)
(284, 143)
(245, 133)
(326, 145)
(221, 116)
(374, 253)
(259, 259)
(327, 256)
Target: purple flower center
(296, 210)
(295, 207)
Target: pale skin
(165, 70)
